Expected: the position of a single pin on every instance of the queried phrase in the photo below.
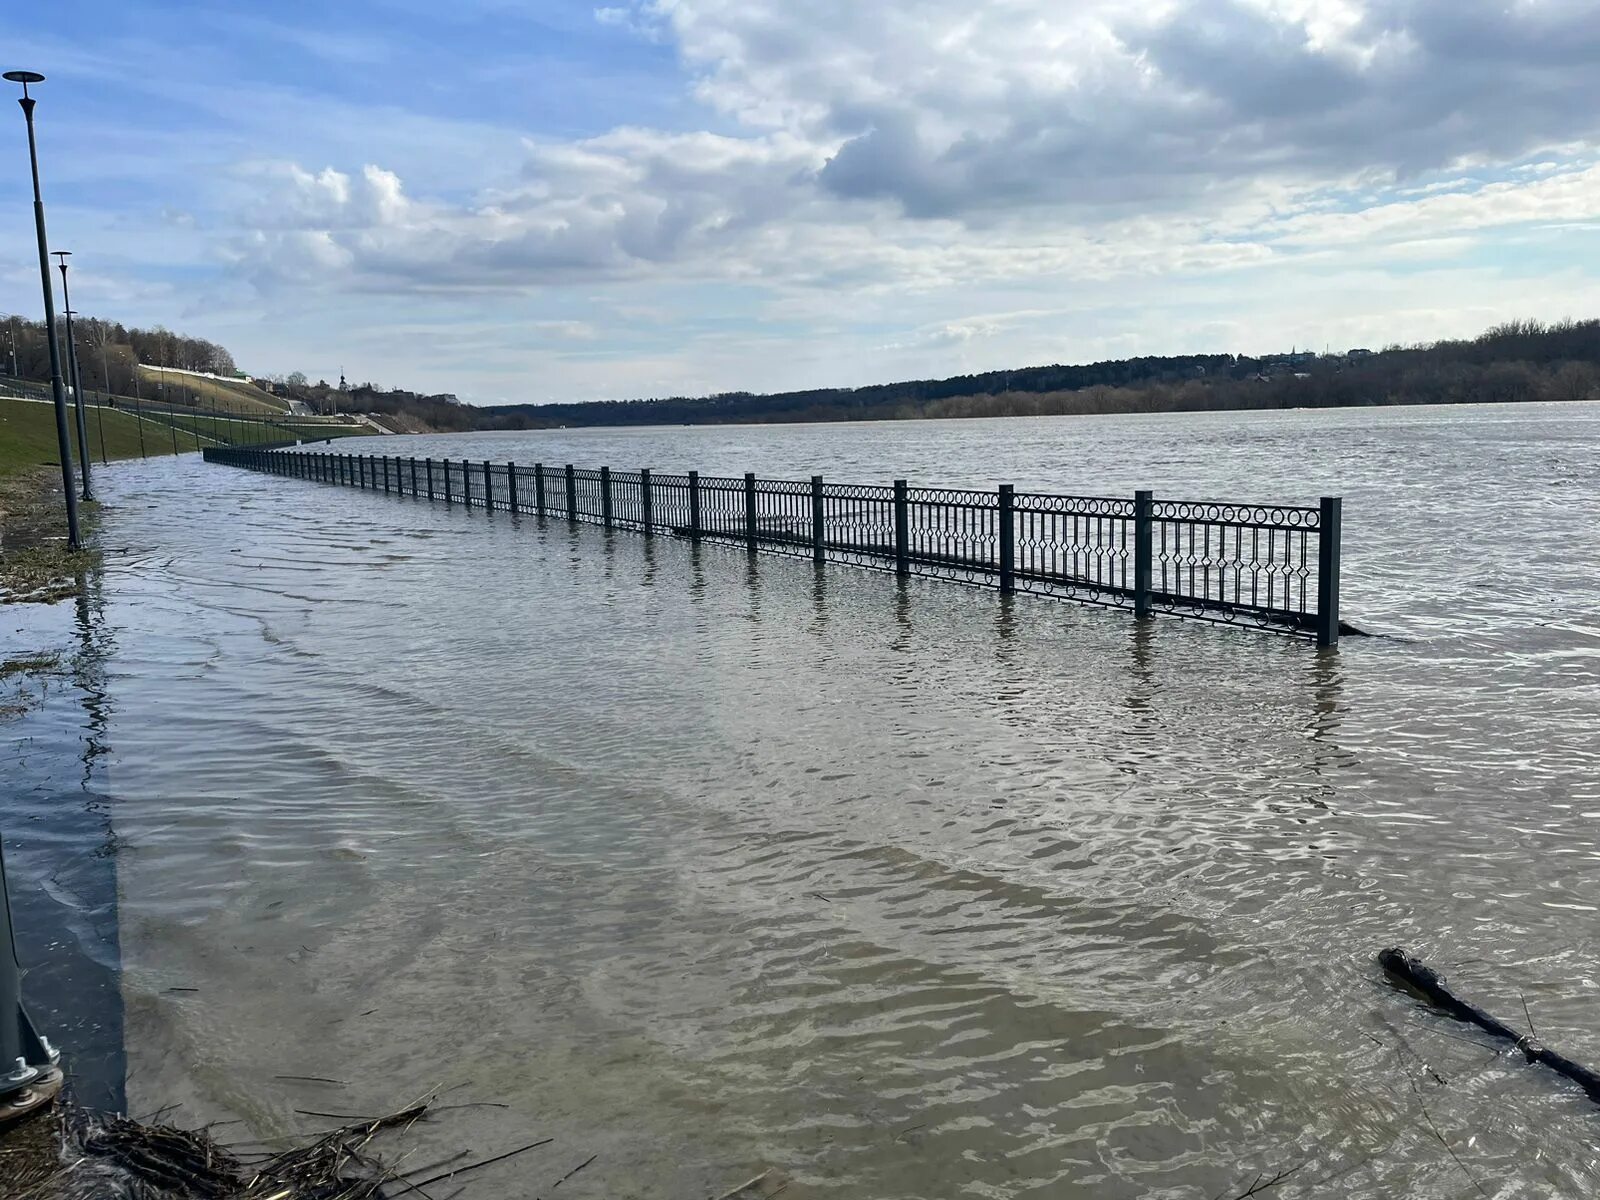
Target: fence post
(646, 506)
(902, 529)
(1008, 538)
(818, 532)
(466, 482)
(572, 493)
(750, 510)
(538, 488)
(605, 496)
(488, 486)
(694, 505)
(511, 485)
(1328, 536)
(427, 467)
(1143, 551)
(445, 463)
(413, 476)
(386, 472)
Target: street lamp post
(57, 388)
(76, 376)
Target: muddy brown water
(704, 864)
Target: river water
(703, 864)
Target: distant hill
(1524, 360)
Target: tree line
(1516, 361)
(108, 352)
(1513, 362)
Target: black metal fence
(1273, 566)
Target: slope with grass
(190, 389)
(28, 436)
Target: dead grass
(35, 564)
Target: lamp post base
(20, 1105)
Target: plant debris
(108, 1157)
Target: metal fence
(1275, 567)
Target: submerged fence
(1272, 566)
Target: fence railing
(1273, 566)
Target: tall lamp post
(57, 388)
(77, 379)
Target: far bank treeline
(1518, 361)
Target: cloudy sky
(546, 199)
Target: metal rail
(1274, 567)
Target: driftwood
(1413, 974)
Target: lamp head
(24, 78)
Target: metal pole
(819, 543)
(605, 496)
(538, 488)
(58, 389)
(750, 511)
(1329, 535)
(902, 530)
(488, 487)
(572, 494)
(646, 502)
(105, 397)
(1008, 539)
(77, 381)
(694, 505)
(511, 485)
(138, 418)
(1143, 551)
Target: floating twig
(573, 1172)
(1427, 983)
(485, 1162)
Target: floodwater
(703, 864)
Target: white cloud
(906, 144)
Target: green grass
(28, 435)
(321, 431)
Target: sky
(524, 202)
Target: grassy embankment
(195, 389)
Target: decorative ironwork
(1269, 565)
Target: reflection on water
(56, 815)
(704, 863)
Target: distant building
(1358, 354)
